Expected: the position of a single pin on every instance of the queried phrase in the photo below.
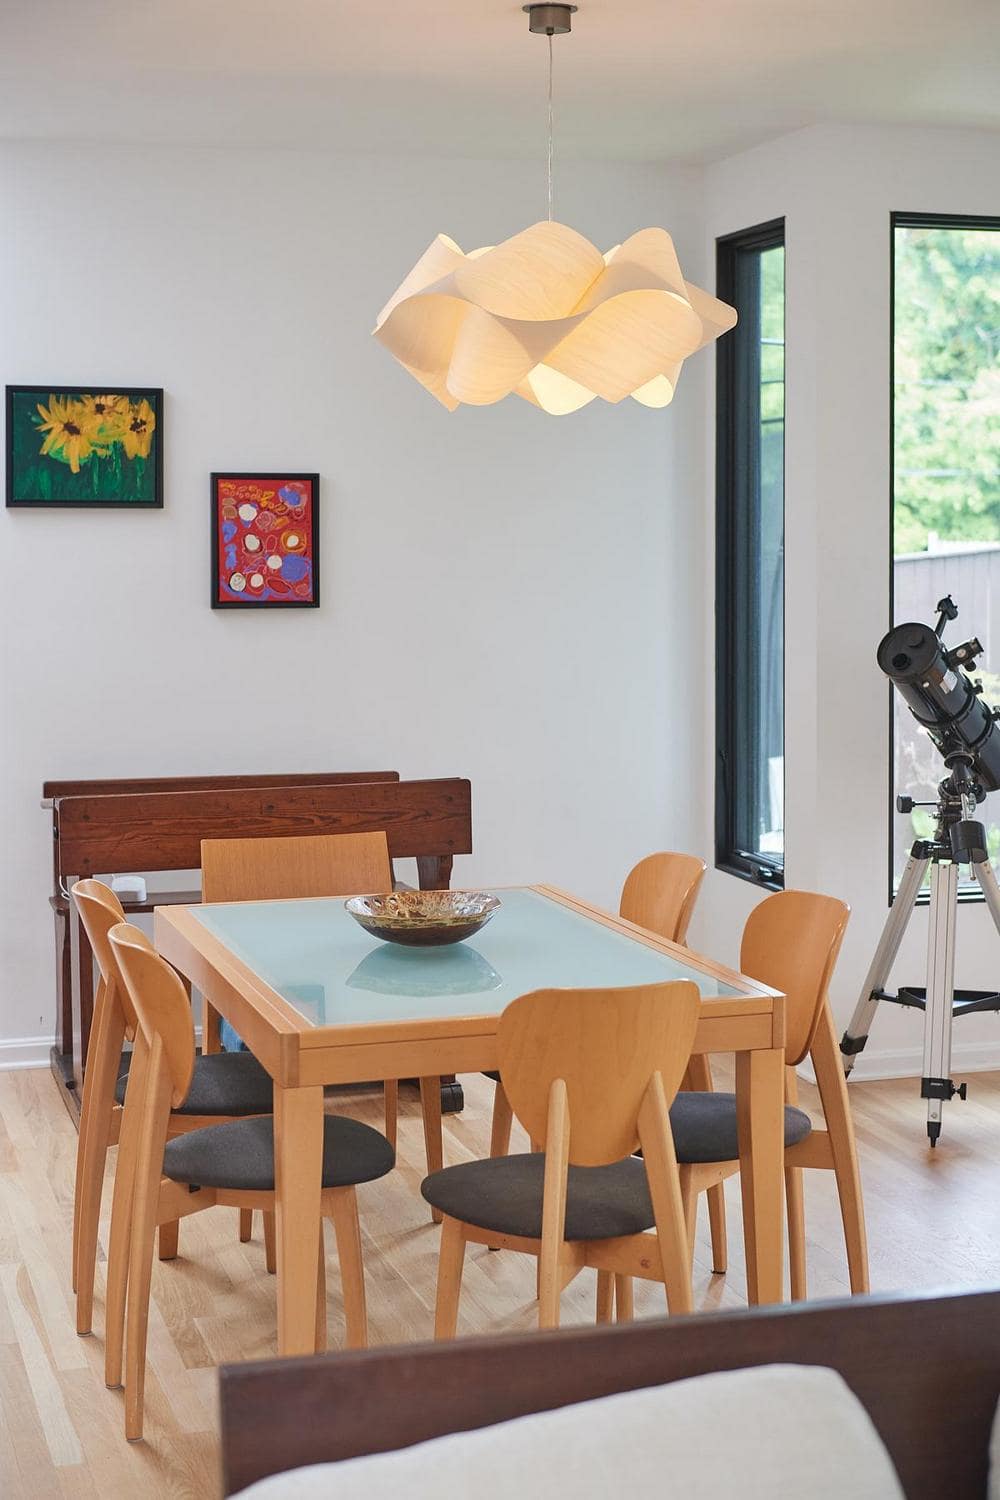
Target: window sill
(758, 875)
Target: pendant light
(545, 315)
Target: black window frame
(736, 571)
(900, 219)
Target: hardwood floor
(933, 1221)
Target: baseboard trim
(25, 1052)
(907, 1062)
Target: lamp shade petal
(541, 273)
(627, 341)
(546, 316)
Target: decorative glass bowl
(423, 919)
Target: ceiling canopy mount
(550, 20)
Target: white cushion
(779, 1432)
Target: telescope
(934, 682)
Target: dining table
(319, 1001)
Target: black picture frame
(152, 394)
(279, 476)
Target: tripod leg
(983, 871)
(856, 1035)
(936, 1085)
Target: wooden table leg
(298, 1172)
(430, 1103)
(760, 1112)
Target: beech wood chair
(336, 864)
(227, 1086)
(590, 1074)
(659, 894)
(231, 1164)
(791, 941)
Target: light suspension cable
(549, 157)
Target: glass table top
(335, 974)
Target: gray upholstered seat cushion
(224, 1083)
(704, 1127)
(504, 1194)
(240, 1154)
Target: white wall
(503, 593)
(836, 187)
(564, 565)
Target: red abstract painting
(265, 540)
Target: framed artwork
(265, 541)
(81, 446)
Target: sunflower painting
(80, 447)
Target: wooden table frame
(302, 1058)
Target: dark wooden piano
(148, 825)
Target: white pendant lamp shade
(546, 316)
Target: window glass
(750, 558)
(946, 471)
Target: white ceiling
(644, 79)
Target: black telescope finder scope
(934, 684)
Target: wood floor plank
(933, 1221)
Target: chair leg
(209, 1028)
(717, 1223)
(270, 1254)
(167, 1238)
(344, 1209)
(246, 1225)
(391, 1087)
(449, 1285)
(144, 1213)
(503, 1118)
(623, 1298)
(120, 1238)
(605, 1295)
(689, 1203)
(795, 1209)
(554, 1190)
(92, 1151)
(699, 1078)
(320, 1293)
(430, 1104)
(672, 1218)
(832, 1086)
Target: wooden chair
(590, 1074)
(791, 941)
(230, 1164)
(335, 864)
(659, 894)
(228, 1086)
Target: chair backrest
(660, 893)
(790, 942)
(161, 1003)
(272, 869)
(100, 910)
(606, 1046)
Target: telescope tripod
(958, 839)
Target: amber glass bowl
(422, 919)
